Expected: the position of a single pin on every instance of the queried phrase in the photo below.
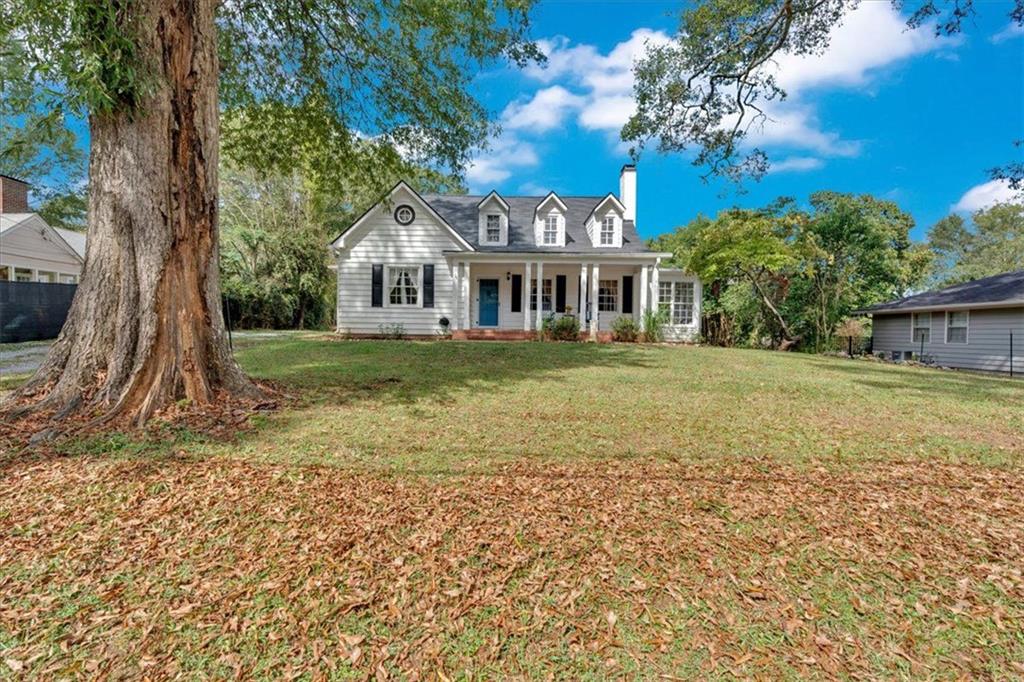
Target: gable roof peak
(493, 194)
(551, 196)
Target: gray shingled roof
(460, 211)
(1007, 288)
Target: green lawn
(452, 406)
(489, 510)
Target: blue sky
(899, 114)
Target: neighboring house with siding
(968, 325)
(30, 249)
(495, 266)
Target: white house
(480, 261)
(30, 249)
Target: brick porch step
(513, 335)
(493, 335)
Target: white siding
(381, 240)
(35, 248)
(988, 339)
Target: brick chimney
(13, 195)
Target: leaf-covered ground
(385, 524)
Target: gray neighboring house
(968, 325)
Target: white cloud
(497, 163)
(533, 189)
(985, 195)
(594, 89)
(607, 113)
(547, 109)
(604, 81)
(562, 60)
(872, 36)
(796, 164)
(796, 125)
(1012, 30)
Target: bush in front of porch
(563, 328)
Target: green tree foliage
(300, 82)
(755, 247)
(36, 143)
(992, 243)
(704, 90)
(64, 208)
(854, 251)
(784, 277)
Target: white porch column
(595, 275)
(644, 284)
(654, 287)
(583, 295)
(466, 310)
(527, 283)
(540, 294)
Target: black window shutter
(428, 285)
(627, 293)
(579, 295)
(377, 286)
(559, 293)
(517, 293)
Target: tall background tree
(707, 88)
(38, 144)
(785, 277)
(146, 328)
(991, 242)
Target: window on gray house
(956, 326)
(922, 327)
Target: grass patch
(534, 511)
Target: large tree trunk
(146, 327)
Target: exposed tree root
(28, 424)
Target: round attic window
(404, 214)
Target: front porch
(499, 300)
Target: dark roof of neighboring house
(1005, 289)
(461, 212)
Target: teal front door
(488, 303)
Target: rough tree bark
(146, 328)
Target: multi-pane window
(493, 228)
(551, 229)
(545, 292)
(608, 231)
(956, 327)
(608, 295)
(403, 286)
(677, 299)
(922, 327)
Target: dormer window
(608, 231)
(604, 224)
(549, 221)
(551, 229)
(493, 228)
(493, 220)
